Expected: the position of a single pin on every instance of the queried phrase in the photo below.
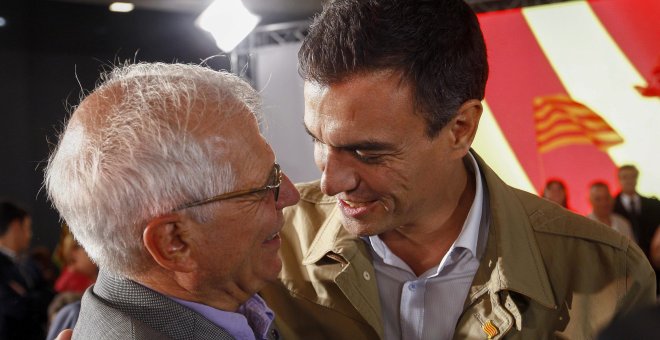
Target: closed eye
(366, 157)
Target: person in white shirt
(642, 212)
(602, 204)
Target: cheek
(387, 182)
(319, 156)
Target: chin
(361, 229)
(272, 270)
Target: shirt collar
(511, 245)
(253, 317)
(467, 239)
(10, 253)
(469, 236)
(627, 200)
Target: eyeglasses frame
(234, 194)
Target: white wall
(276, 77)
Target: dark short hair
(437, 45)
(8, 213)
(599, 184)
(628, 167)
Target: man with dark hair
(22, 308)
(642, 212)
(409, 234)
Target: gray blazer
(121, 309)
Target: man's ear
(166, 241)
(464, 125)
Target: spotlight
(228, 21)
(123, 7)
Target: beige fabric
(546, 273)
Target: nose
(337, 174)
(289, 195)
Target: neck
(8, 244)
(423, 246)
(603, 217)
(185, 286)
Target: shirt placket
(412, 309)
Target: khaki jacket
(546, 273)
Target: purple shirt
(251, 321)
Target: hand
(65, 335)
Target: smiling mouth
(362, 207)
(356, 204)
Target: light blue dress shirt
(251, 321)
(428, 306)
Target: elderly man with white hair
(164, 179)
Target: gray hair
(138, 156)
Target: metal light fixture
(228, 21)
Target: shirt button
(366, 276)
(412, 286)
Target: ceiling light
(228, 21)
(3, 22)
(121, 7)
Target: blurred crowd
(38, 289)
(628, 212)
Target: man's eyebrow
(366, 145)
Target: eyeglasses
(274, 182)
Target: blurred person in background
(655, 249)
(78, 274)
(602, 205)
(555, 191)
(24, 297)
(642, 212)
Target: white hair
(138, 156)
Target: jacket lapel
(511, 264)
(155, 310)
(355, 276)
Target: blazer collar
(154, 309)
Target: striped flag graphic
(602, 52)
(561, 121)
(490, 329)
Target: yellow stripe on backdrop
(493, 147)
(595, 72)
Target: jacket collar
(154, 309)
(332, 238)
(353, 277)
(512, 261)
